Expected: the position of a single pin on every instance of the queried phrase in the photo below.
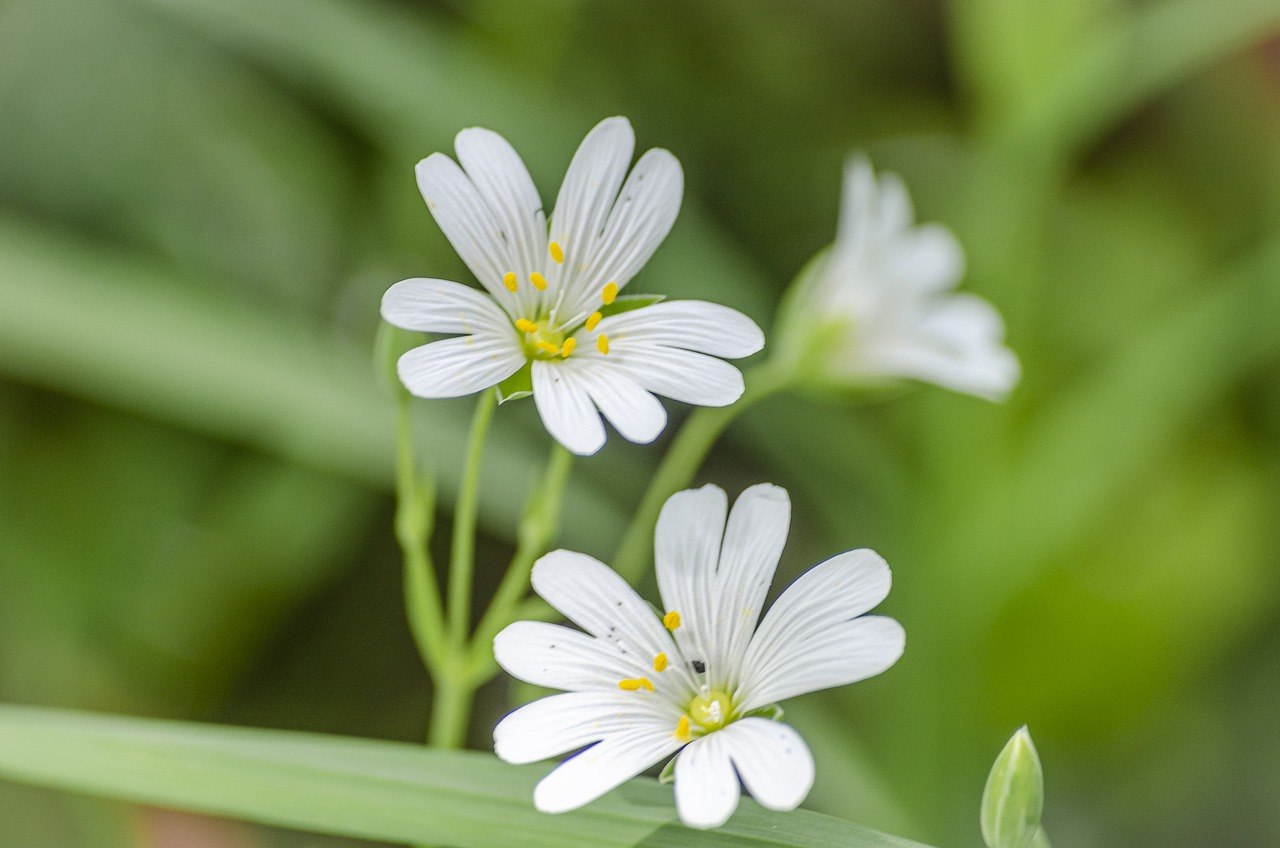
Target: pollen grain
(632, 684)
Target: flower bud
(1014, 797)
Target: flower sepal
(627, 302)
(773, 712)
(668, 774)
(518, 385)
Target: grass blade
(366, 789)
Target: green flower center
(541, 340)
(711, 711)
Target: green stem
(538, 527)
(450, 710)
(688, 450)
(415, 506)
(464, 524)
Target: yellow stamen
(671, 621)
(557, 252)
(568, 346)
(547, 347)
(636, 683)
(610, 293)
(660, 662)
(539, 281)
(592, 320)
(602, 344)
(510, 280)
(524, 325)
(682, 729)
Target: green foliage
(201, 202)
(375, 790)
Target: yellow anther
(592, 320)
(539, 281)
(635, 683)
(568, 346)
(602, 344)
(510, 280)
(660, 662)
(557, 252)
(524, 325)
(671, 620)
(547, 347)
(610, 293)
(682, 729)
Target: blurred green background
(201, 202)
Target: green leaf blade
(366, 789)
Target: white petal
(679, 374)
(753, 540)
(441, 306)
(686, 550)
(587, 194)
(857, 206)
(707, 789)
(635, 413)
(646, 208)
(841, 654)
(808, 640)
(602, 767)
(566, 408)
(468, 222)
(688, 324)
(502, 180)
(459, 366)
(892, 212)
(554, 725)
(561, 658)
(773, 761)
(955, 345)
(598, 600)
(927, 259)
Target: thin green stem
(450, 710)
(688, 450)
(415, 507)
(538, 527)
(464, 524)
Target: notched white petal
(458, 366)
(566, 408)
(585, 777)
(773, 761)
(707, 788)
(442, 306)
(681, 375)
(690, 325)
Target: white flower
(552, 298)
(701, 679)
(889, 283)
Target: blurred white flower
(552, 321)
(702, 680)
(885, 292)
